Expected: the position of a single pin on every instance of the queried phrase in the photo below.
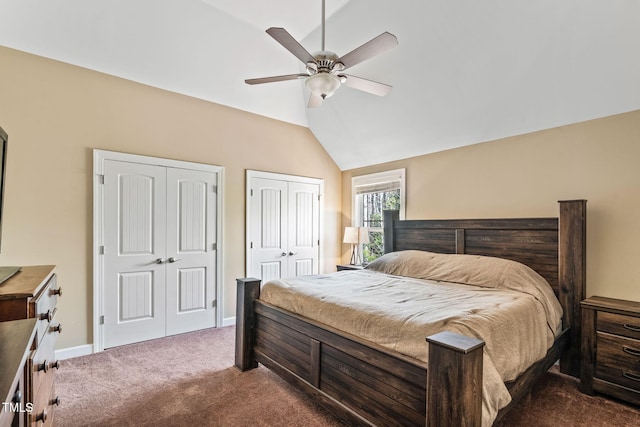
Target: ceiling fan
(324, 69)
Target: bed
(367, 383)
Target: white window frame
(371, 179)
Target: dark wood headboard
(554, 247)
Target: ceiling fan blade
(275, 79)
(373, 47)
(365, 85)
(314, 101)
(285, 39)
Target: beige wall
(56, 114)
(525, 176)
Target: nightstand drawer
(618, 360)
(626, 378)
(619, 324)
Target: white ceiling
(465, 71)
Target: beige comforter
(399, 312)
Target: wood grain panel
(531, 241)
(388, 360)
(618, 360)
(621, 324)
(406, 392)
(294, 338)
(368, 402)
(441, 241)
(454, 389)
(287, 355)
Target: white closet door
(134, 280)
(268, 213)
(303, 229)
(191, 246)
(283, 225)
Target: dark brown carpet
(189, 380)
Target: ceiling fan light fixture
(324, 68)
(323, 84)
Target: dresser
(611, 348)
(33, 294)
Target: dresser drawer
(618, 360)
(619, 324)
(42, 369)
(43, 409)
(45, 305)
(43, 365)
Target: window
(371, 195)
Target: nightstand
(611, 348)
(341, 267)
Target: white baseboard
(71, 352)
(228, 321)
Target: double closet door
(283, 225)
(159, 251)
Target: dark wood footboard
(357, 380)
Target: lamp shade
(356, 235)
(364, 235)
(350, 235)
(323, 84)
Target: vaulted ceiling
(465, 71)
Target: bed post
(388, 218)
(572, 231)
(454, 380)
(247, 292)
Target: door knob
(172, 259)
(283, 254)
(292, 253)
(159, 261)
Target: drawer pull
(42, 416)
(56, 401)
(48, 316)
(631, 327)
(44, 366)
(56, 364)
(630, 350)
(57, 291)
(57, 328)
(631, 376)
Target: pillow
(488, 272)
(484, 271)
